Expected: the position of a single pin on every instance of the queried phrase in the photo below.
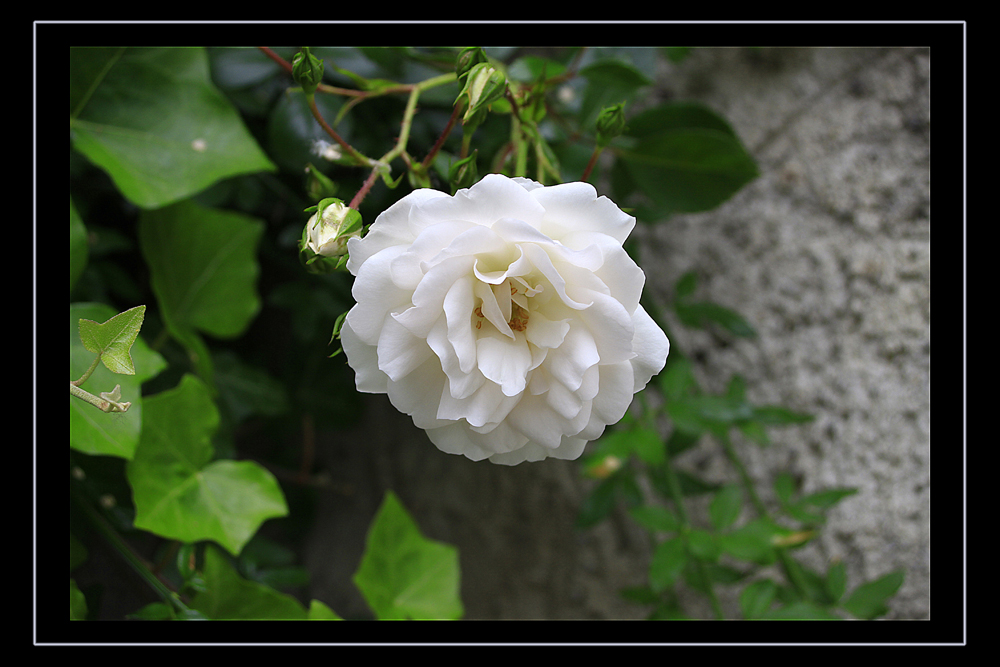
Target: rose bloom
(505, 319)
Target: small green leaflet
(113, 340)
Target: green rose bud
(484, 86)
(323, 246)
(610, 123)
(307, 70)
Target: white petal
(492, 198)
(376, 296)
(570, 360)
(399, 351)
(504, 362)
(417, 394)
(650, 346)
(611, 326)
(364, 360)
(545, 333)
(391, 228)
(575, 206)
(615, 394)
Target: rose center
(513, 305)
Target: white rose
(505, 319)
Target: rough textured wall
(826, 254)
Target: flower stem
(103, 404)
(365, 188)
(674, 488)
(126, 552)
(276, 58)
(590, 164)
(362, 159)
(791, 570)
(444, 135)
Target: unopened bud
(484, 86)
(610, 123)
(307, 70)
(323, 247)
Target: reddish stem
(369, 182)
(276, 58)
(590, 164)
(444, 135)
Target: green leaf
(751, 542)
(674, 116)
(696, 414)
(90, 430)
(677, 379)
(321, 612)
(78, 245)
(726, 506)
(404, 575)
(113, 339)
(667, 563)
(836, 581)
(775, 415)
(827, 498)
(784, 486)
(756, 598)
(801, 611)
(609, 82)
(179, 492)
(703, 544)
(687, 170)
(655, 517)
(151, 118)
(228, 596)
(867, 601)
(598, 503)
(700, 315)
(686, 285)
(203, 266)
(77, 603)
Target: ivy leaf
(152, 119)
(92, 431)
(203, 266)
(179, 492)
(228, 596)
(404, 575)
(203, 270)
(113, 340)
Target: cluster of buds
(323, 246)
